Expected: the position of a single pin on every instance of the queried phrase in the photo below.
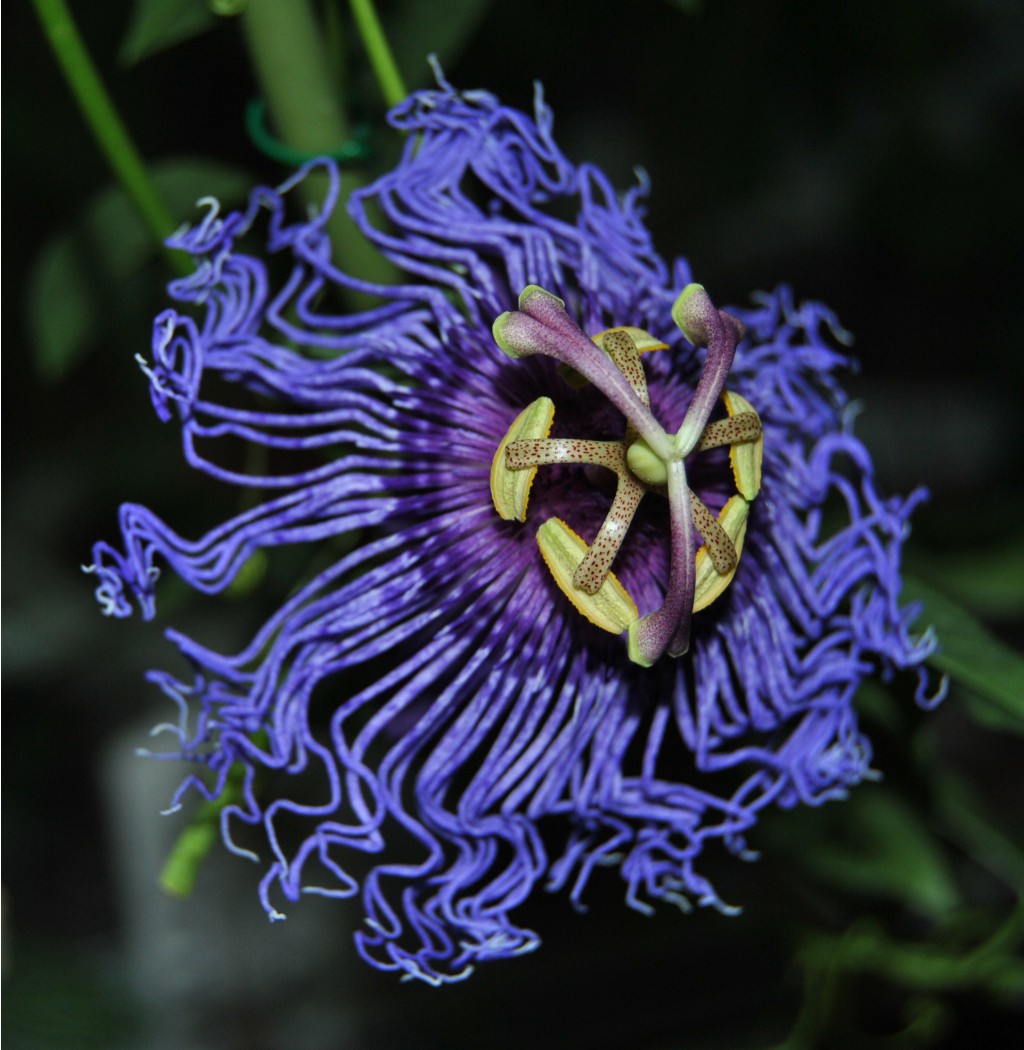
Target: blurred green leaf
(969, 653)
(987, 580)
(77, 275)
(62, 315)
(159, 24)
(966, 821)
(878, 846)
(56, 997)
(992, 965)
(878, 705)
(988, 714)
(441, 28)
(249, 577)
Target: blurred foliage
(974, 658)
(70, 284)
(869, 154)
(94, 1012)
(159, 24)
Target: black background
(868, 154)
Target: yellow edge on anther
(510, 489)
(611, 608)
(643, 341)
(744, 456)
(710, 583)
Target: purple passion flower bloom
(534, 639)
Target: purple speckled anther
(432, 694)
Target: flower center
(646, 459)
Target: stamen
(716, 542)
(646, 459)
(623, 352)
(591, 573)
(643, 341)
(710, 582)
(746, 426)
(595, 566)
(539, 453)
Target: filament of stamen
(744, 426)
(720, 549)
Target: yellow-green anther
(510, 489)
(710, 582)
(610, 608)
(745, 456)
(646, 464)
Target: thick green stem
(378, 51)
(286, 47)
(193, 845)
(104, 122)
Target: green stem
(286, 46)
(104, 122)
(190, 849)
(180, 870)
(383, 61)
(821, 989)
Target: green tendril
(106, 125)
(378, 51)
(354, 151)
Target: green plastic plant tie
(355, 151)
(306, 108)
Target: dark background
(870, 155)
